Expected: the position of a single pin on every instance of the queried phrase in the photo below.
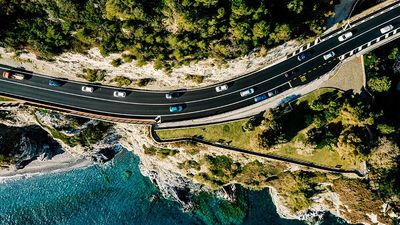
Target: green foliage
(195, 78)
(116, 62)
(122, 81)
(94, 75)
(144, 82)
(171, 31)
(161, 152)
(379, 84)
(272, 132)
(386, 129)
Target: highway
(202, 102)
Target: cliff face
(21, 145)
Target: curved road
(203, 102)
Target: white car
(329, 55)
(221, 88)
(87, 89)
(386, 29)
(345, 36)
(119, 94)
(247, 92)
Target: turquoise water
(116, 193)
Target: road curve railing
(156, 138)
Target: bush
(144, 82)
(116, 62)
(122, 81)
(195, 78)
(94, 75)
(379, 84)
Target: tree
(282, 32)
(295, 6)
(261, 29)
(379, 84)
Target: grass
(227, 133)
(5, 99)
(294, 125)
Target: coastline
(59, 163)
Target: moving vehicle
(176, 108)
(303, 56)
(11, 75)
(119, 94)
(172, 95)
(260, 98)
(386, 29)
(273, 92)
(329, 55)
(55, 83)
(290, 73)
(247, 92)
(87, 89)
(345, 36)
(221, 88)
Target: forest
(167, 32)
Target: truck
(11, 75)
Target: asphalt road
(197, 102)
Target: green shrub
(116, 62)
(94, 75)
(144, 82)
(122, 81)
(195, 78)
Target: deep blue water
(116, 193)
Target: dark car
(303, 56)
(176, 108)
(260, 98)
(290, 73)
(172, 95)
(55, 83)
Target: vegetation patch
(195, 78)
(144, 82)
(122, 81)
(94, 75)
(161, 152)
(175, 32)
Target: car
(119, 94)
(221, 88)
(386, 29)
(260, 98)
(55, 83)
(345, 36)
(329, 55)
(247, 92)
(176, 108)
(87, 89)
(273, 92)
(303, 56)
(172, 95)
(290, 73)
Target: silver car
(247, 92)
(87, 89)
(329, 55)
(119, 94)
(386, 29)
(345, 36)
(221, 88)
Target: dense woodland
(167, 32)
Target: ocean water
(116, 193)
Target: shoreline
(59, 163)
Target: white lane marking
(360, 48)
(151, 115)
(73, 94)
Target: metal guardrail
(264, 155)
